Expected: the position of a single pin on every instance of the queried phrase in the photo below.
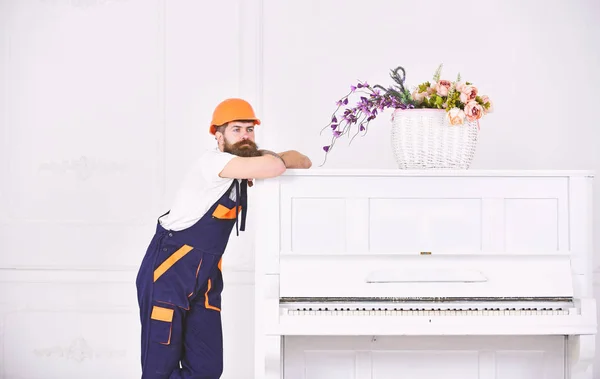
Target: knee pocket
(161, 324)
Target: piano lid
(467, 277)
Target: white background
(105, 103)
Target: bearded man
(179, 282)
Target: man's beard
(244, 148)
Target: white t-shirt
(201, 187)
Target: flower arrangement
(461, 100)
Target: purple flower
(371, 102)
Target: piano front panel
(533, 225)
(318, 222)
(385, 357)
(424, 224)
(341, 215)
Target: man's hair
(221, 128)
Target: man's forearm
(269, 152)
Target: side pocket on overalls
(161, 324)
(212, 296)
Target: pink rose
(468, 93)
(485, 99)
(431, 89)
(442, 87)
(456, 116)
(473, 110)
(460, 86)
(418, 97)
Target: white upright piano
(385, 274)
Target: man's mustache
(244, 143)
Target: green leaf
(423, 86)
(438, 72)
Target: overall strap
(241, 198)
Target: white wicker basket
(424, 139)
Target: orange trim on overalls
(224, 213)
(162, 314)
(169, 340)
(197, 271)
(206, 304)
(169, 262)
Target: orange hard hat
(232, 110)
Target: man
(180, 281)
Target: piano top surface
(316, 171)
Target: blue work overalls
(179, 288)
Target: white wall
(103, 104)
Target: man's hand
(294, 159)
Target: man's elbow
(277, 167)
